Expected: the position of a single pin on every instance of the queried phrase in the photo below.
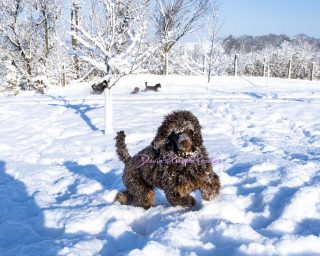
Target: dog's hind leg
(142, 193)
(124, 197)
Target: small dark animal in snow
(100, 87)
(135, 90)
(152, 88)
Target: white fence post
(108, 127)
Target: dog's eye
(190, 133)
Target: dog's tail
(121, 147)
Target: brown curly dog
(176, 162)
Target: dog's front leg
(175, 199)
(210, 186)
(185, 189)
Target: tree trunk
(27, 62)
(166, 63)
(46, 36)
(74, 41)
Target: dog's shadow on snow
(108, 180)
(79, 109)
(22, 221)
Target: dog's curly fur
(161, 165)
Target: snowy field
(59, 174)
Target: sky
(260, 17)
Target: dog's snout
(185, 142)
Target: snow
(59, 173)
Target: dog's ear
(197, 136)
(161, 138)
(163, 132)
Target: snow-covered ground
(59, 173)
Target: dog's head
(180, 131)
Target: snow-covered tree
(15, 37)
(111, 37)
(29, 39)
(3, 70)
(111, 40)
(174, 20)
(52, 54)
(49, 12)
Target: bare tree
(175, 19)
(213, 25)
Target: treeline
(46, 43)
(247, 43)
(278, 55)
(268, 55)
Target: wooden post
(235, 65)
(312, 71)
(268, 75)
(289, 69)
(63, 77)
